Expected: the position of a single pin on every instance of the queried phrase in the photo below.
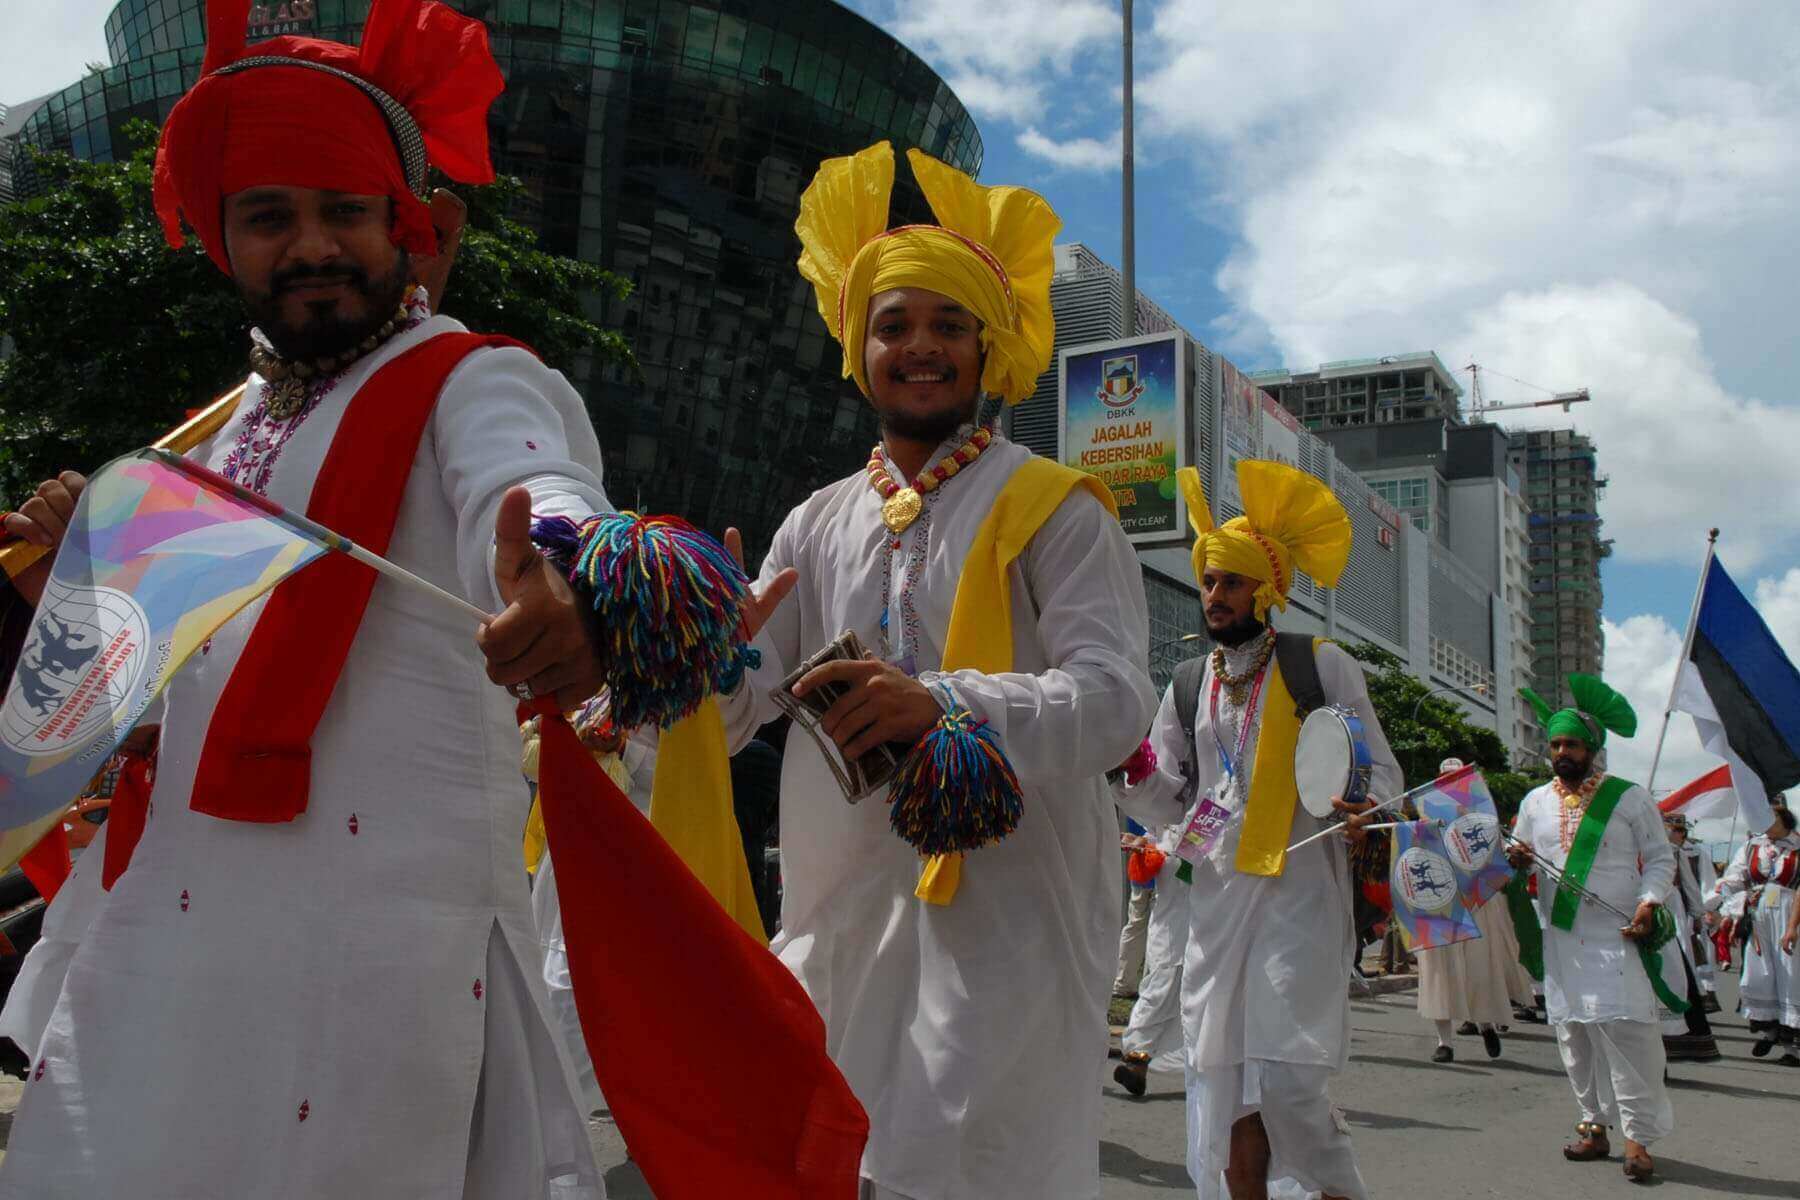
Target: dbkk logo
(81, 663)
(1119, 386)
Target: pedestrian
(1153, 1036)
(1601, 851)
(966, 1002)
(1765, 872)
(1687, 1036)
(1265, 995)
(1696, 877)
(318, 975)
(1134, 936)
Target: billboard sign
(1240, 405)
(1123, 419)
(1280, 432)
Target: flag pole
(317, 532)
(1687, 648)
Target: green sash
(1575, 871)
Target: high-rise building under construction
(1562, 486)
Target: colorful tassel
(1141, 765)
(1144, 865)
(955, 791)
(667, 605)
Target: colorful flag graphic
(1471, 833)
(157, 557)
(1427, 899)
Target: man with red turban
(318, 976)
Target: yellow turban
(1291, 522)
(991, 253)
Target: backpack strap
(1300, 671)
(1187, 709)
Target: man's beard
(1236, 633)
(1571, 772)
(328, 334)
(926, 427)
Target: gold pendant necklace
(901, 506)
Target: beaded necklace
(1574, 805)
(1238, 686)
(901, 506)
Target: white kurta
(1473, 980)
(1592, 972)
(1155, 1024)
(1696, 877)
(40, 978)
(1265, 987)
(971, 1033)
(1769, 989)
(308, 1008)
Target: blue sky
(1596, 195)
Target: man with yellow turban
(964, 998)
(1265, 996)
(1602, 839)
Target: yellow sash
(980, 637)
(1269, 814)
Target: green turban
(1598, 709)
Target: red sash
(256, 764)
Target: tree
(1439, 732)
(108, 336)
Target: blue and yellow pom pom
(955, 791)
(667, 603)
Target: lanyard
(1229, 763)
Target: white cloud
(1075, 154)
(45, 47)
(1779, 602)
(1588, 195)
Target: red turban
(330, 116)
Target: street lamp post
(1479, 689)
(1186, 637)
(1128, 184)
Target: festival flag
(1743, 694)
(1711, 795)
(1427, 902)
(157, 557)
(1464, 808)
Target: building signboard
(1123, 418)
(1280, 432)
(1241, 404)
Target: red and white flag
(1711, 795)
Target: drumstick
(1379, 807)
(1561, 880)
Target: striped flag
(1743, 694)
(1711, 795)
(156, 558)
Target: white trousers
(1309, 1142)
(1133, 940)
(1616, 1069)
(1155, 1024)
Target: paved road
(1473, 1128)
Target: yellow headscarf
(990, 253)
(1291, 522)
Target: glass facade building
(669, 142)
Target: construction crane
(1479, 407)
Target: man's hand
(884, 704)
(1356, 818)
(1642, 922)
(1788, 940)
(42, 521)
(1519, 855)
(539, 640)
(762, 603)
(1136, 841)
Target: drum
(1331, 759)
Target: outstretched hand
(765, 601)
(539, 644)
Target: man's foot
(1443, 1054)
(1466, 1029)
(1590, 1144)
(1764, 1044)
(1710, 1003)
(1638, 1167)
(1490, 1040)
(1790, 1059)
(1133, 1072)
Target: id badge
(1203, 830)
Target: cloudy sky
(1592, 195)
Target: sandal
(1593, 1145)
(1638, 1166)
